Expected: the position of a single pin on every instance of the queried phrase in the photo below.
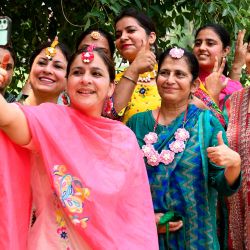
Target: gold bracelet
(129, 78)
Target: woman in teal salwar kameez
(186, 168)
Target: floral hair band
(88, 56)
(176, 53)
(51, 51)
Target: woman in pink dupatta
(15, 160)
(90, 187)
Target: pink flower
(181, 134)
(146, 149)
(166, 156)
(153, 159)
(176, 53)
(150, 138)
(177, 146)
(87, 57)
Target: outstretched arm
(12, 120)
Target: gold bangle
(130, 79)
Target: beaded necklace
(166, 156)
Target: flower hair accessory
(176, 53)
(51, 51)
(88, 56)
(95, 35)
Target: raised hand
(3, 72)
(239, 56)
(145, 59)
(214, 83)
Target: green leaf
(211, 7)
(225, 12)
(138, 3)
(86, 26)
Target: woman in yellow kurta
(136, 89)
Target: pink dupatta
(97, 171)
(15, 195)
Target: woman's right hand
(145, 59)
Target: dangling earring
(191, 96)
(108, 106)
(65, 98)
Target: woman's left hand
(224, 156)
(213, 82)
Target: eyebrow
(127, 27)
(81, 67)
(46, 59)
(97, 68)
(77, 67)
(207, 39)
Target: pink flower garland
(166, 156)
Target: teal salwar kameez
(190, 184)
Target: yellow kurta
(145, 97)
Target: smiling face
(130, 37)
(89, 85)
(174, 81)
(101, 42)
(9, 69)
(207, 46)
(48, 76)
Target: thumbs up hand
(224, 156)
(145, 59)
(3, 72)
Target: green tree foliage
(34, 21)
